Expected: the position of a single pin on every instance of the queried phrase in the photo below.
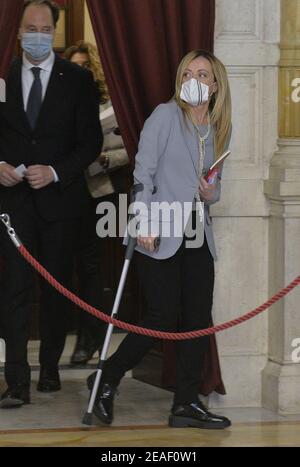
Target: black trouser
(53, 242)
(179, 295)
(90, 277)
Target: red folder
(212, 173)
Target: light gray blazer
(167, 161)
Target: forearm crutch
(87, 419)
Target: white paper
(21, 170)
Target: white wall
(246, 40)
(89, 35)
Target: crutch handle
(132, 240)
(130, 247)
(157, 243)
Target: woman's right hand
(147, 242)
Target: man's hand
(8, 176)
(39, 176)
(207, 191)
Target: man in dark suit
(50, 124)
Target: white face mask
(37, 45)
(194, 93)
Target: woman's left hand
(207, 191)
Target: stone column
(247, 37)
(281, 376)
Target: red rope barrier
(150, 332)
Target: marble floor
(139, 406)
(265, 434)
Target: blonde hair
(95, 65)
(220, 103)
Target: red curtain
(210, 378)
(141, 43)
(10, 16)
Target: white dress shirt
(27, 81)
(27, 76)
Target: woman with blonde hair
(179, 142)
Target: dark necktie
(35, 98)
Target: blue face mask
(37, 45)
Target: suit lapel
(15, 98)
(54, 94)
(190, 138)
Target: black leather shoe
(104, 403)
(80, 357)
(196, 415)
(84, 350)
(49, 381)
(15, 396)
